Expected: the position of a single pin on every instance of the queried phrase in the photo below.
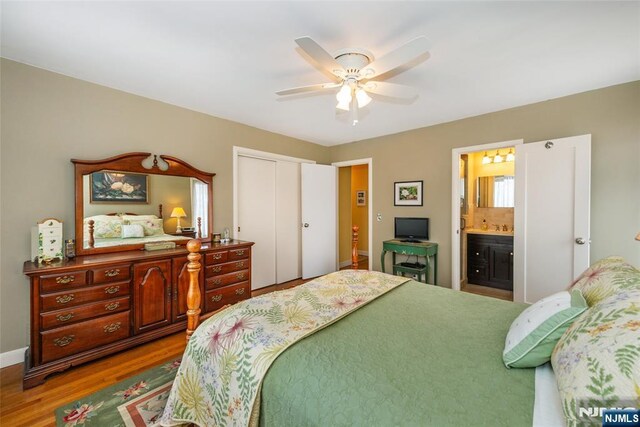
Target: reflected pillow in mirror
(151, 227)
(104, 227)
(126, 218)
(132, 230)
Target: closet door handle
(305, 225)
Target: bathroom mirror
(495, 191)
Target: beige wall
(47, 119)
(609, 114)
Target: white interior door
(288, 234)
(319, 212)
(257, 216)
(551, 241)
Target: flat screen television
(412, 229)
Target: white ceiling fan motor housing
(353, 60)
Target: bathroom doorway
(483, 219)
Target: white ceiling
(228, 58)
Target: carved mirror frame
(132, 162)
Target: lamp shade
(178, 212)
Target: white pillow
(535, 332)
(126, 218)
(132, 230)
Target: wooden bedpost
(199, 228)
(92, 241)
(193, 294)
(354, 250)
(160, 211)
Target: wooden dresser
(95, 305)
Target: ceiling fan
(358, 73)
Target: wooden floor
(488, 291)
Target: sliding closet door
(288, 250)
(257, 216)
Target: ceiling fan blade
(396, 58)
(309, 88)
(390, 89)
(321, 56)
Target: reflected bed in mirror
(495, 191)
(121, 204)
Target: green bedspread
(419, 355)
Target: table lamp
(178, 213)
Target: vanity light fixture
(486, 159)
(510, 156)
(497, 158)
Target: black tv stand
(411, 241)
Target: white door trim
(369, 162)
(455, 200)
(249, 152)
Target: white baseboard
(345, 263)
(12, 357)
(363, 253)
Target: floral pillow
(104, 226)
(605, 278)
(597, 360)
(151, 226)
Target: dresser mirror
(495, 191)
(126, 201)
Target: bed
(414, 355)
(367, 348)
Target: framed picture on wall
(407, 193)
(119, 187)
(361, 198)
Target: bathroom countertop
(491, 232)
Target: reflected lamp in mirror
(178, 213)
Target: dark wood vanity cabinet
(96, 305)
(490, 260)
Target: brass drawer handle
(112, 273)
(64, 317)
(240, 264)
(240, 253)
(216, 298)
(65, 299)
(217, 255)
(240, 276)
(64, 280)
(217, 269)
(240, 291)
(112, 289)
(112, 306)
(66, 340)
(112, 327)
(216, 281)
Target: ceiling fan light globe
(363, 98)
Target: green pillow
(535, 332)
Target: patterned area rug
(137, 401)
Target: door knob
(580, 241)
(305, 225)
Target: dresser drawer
(477, 271)
(239, 253)
(60, 282)
(76, 297)
(217, 298)
(226, 279)
(216, 257)
(72, 339)
(227, 267)
(55, 319)
(477, 253)
(111, 274)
